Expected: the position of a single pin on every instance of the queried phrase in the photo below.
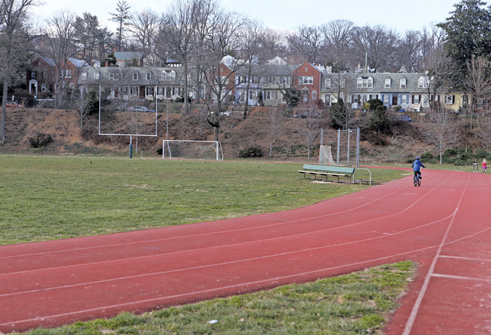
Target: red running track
(444, 225)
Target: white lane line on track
(466, 258)
(437, 275)
(211, 233)
(424, 288)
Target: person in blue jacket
(417, 165)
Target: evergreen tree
(121, 16)
(468, 33)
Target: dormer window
(135, 75)
(83, 76)
(149, 75)
(328, 83)
(422, 82)
(403, 83)
(364, 82)
(387, 83)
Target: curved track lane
(443, 225)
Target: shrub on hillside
(41, 140)
(250, 152)
(480, 153)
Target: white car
(140, 109)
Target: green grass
(45, 198)
(358, 303)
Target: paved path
(445, 226)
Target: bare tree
(306, 42)
(222, 40)
(443, 131)
(275, 125)
(272, 44)
(177, 32)
(144, 26)
(409, 51)
(478, 83)
(310, 129)
(121, 17)
(378, 44)
(337, 43)
(14, 40)
(60, 48)
(250, 48)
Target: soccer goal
(325, 155)
(192, 149)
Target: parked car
(14, 105)
(141, 109)
(305, 115)
(404, 118)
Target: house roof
(78, 62)
(146, 76)
(128, 55)
(379, 81)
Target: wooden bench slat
(323, 170)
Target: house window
(33, 74)
(306, 80)
(43, 87)
(66, 73)
(83, 76)
(285, 80)
(404, 99)
(364, 82)
(135, 75)
(450, 99)
(314, 95)
(134, 90)
(72, 85)
(149, 75)
(342, 82)
(402, 83)
(328, 83)
(112, 76)
(150, 91)
(416, 99)
(387, 83)
(270, 80)
(97, 75)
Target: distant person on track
(417, 165)
(484, 165)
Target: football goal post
(179, 149)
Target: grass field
(45, 198)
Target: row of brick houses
(265, 85)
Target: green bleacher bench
(324, 171)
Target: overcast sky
(401, 15)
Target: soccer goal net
(325, 155)
(192, 149)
